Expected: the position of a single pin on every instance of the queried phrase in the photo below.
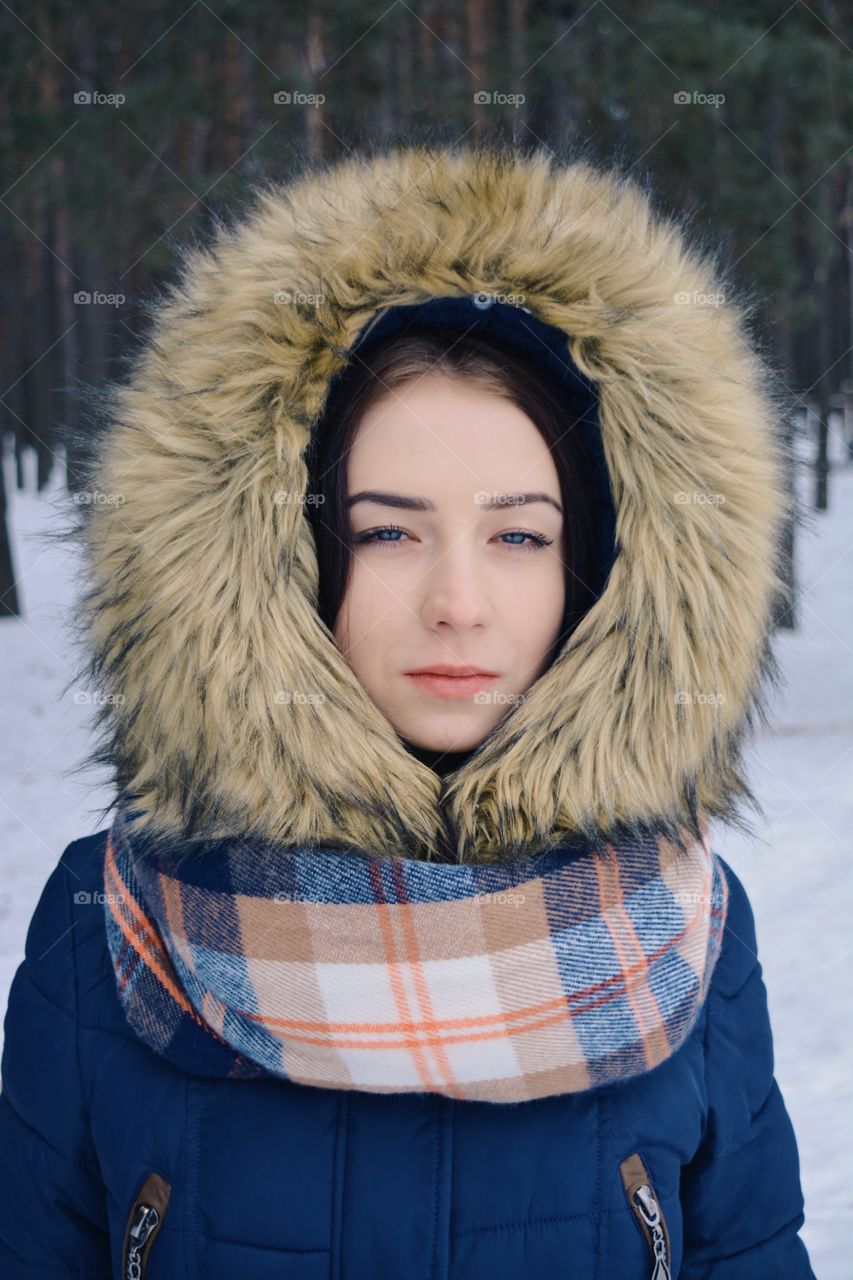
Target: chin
(448, 733)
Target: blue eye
(373, 536)
(537, 540)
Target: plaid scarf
(348, 971)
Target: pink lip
(448, 669)
(452, 686)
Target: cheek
(538, 596)
(532, 615)
(369, 611)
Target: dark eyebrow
(423, 504)
(391, 500)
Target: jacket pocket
(143, 1222)
(647, 1210)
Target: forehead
(449, 432)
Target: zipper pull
(146, 1220)
(649, 1208)
(645, 1207)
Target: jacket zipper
(144, 1221)
(646, 1209)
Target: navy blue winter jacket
(262, 1179)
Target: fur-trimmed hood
(200, 607)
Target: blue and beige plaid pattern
(348, 971)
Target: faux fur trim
(200, 608)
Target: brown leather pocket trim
(634, 1175)
(155, 1191)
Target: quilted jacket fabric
(272, 1179)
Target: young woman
(430, 584)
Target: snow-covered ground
(799, 873)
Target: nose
(455, 592)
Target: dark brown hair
(492, 365)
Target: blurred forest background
(124, 129)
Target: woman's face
(465, 578)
